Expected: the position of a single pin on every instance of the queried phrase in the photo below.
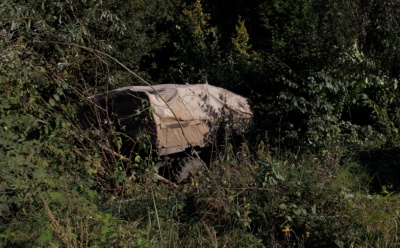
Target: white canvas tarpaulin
(185, 114)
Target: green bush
(323, 82)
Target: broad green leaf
(56, 97)
(46, 236)
(52, 102)
(57, 197)
(38, 173)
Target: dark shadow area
(384, 167)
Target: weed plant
(248, 197)
(266, 200)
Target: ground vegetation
(319, 168)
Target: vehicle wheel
(165, 166)
(187, 167)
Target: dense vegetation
(320, 168)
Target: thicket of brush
(319, 168)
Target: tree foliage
(47, 64)
(320, 75)
(304, 64)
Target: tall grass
(247, 198)
(266, 200)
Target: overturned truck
(178, 121)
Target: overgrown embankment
(318, 170)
